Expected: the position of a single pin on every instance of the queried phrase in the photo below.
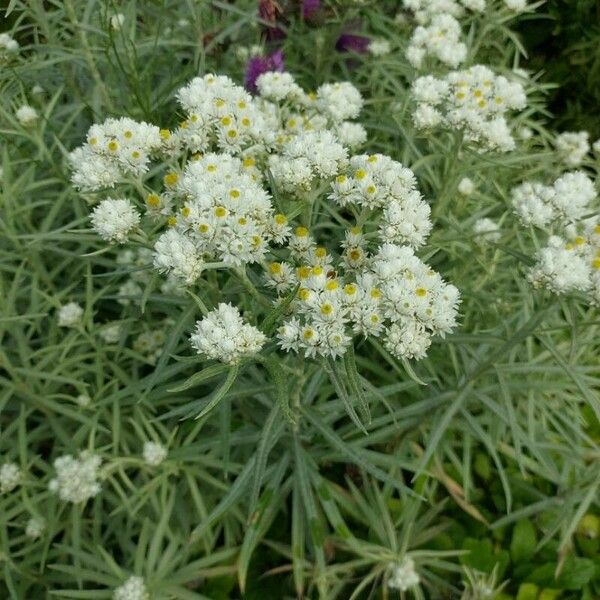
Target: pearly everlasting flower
(379, 47)
(114, 219)
(10, 477)
(573, 147)
(466, 186)
(440, 39)
(154, 453)
(486, 230)
(596, 146)
(26, 115)
(516, 5)
(111, 334)
(351, 134)
(277, 86)
(69, 315)
(339, 101)
(223, 335)
(117, 21)
(76, 478)
(560, 268)
(35, 528)
(404, 575)
(83, 400)
(474, 101)
(133, 589)
(8, 47)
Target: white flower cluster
(389, 293)
(568, 199)
(27, 115)
(69, 315)
(570, 262)
(573, 147)
(486, 230)
(10, 477)
(154, 453)
(35, 528)
(8, 47)
(310, 156)
(425, 10)
(379, 47)
(439, 39)
(404, 575)
(474, 101)
(114, 149)
(133, 589)
(223, 335)
(220, 214)
(114, 219)
(76, 478)
(226, 216)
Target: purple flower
(310, 8)
(258, 65)
(351, 42)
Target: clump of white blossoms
(76, 478)
(404, 575)
(486, 230)
(424, 10)
(133, 589)
(154, 453)
(69, 315)
(117, 21)
(466, 186)
(35, 528)
(27, 115)
(440, 39)
(10, 477)
(567, 200)
(223, 335)
(379, 47)
(474, 101)
(573, 147)
(570, 262)
(114, 219)
(248, 185)
(8, 47)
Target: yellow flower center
(171, 178)
(153, 200)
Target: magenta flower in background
(257, 65)
(310, 8)
(351, 42)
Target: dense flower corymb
(76, 478)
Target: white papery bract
(8, 47)
(113, 219)
(466, 186)
(133, 589)
(223, 335)
(474, 101)
(10, 477)
(516, 5)
(403, 575)
(379, 47)
(69, 315)
(154, 453)
(76, 478)
(339, 101)
(573, 147)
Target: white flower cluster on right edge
(570, 261)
